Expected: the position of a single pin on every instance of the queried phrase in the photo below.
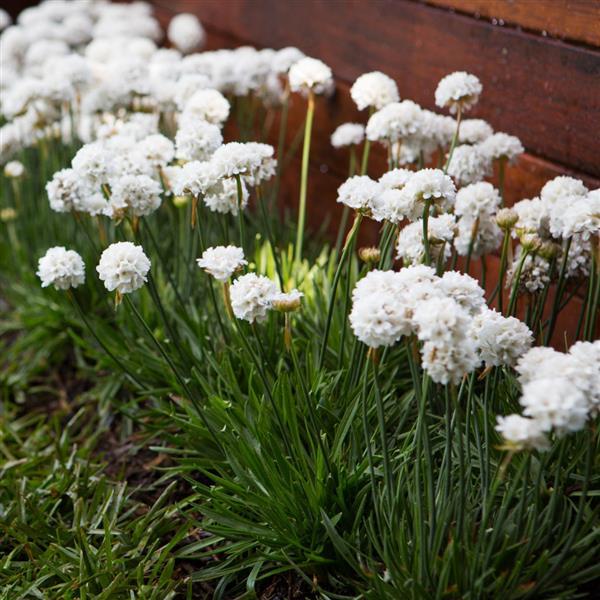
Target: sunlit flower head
(61, 268)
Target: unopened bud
(369, 255)
(506, 218)
(14, 169)
(8, 214)
(180, 201)
(549, 250)
(531, 242)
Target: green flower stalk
(310, 110)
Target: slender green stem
(558, 292)
(512, 305)
(336, 279)
(240, 207)
(454, 138)
(426, 206)
(304, 176)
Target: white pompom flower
(197, 140)
(139, 195)
(222, 261)
(501, 146)
(477, 199)
(123, 267)
(521, 433)
(432, 185)
(501, 340)
(374, 90)
(459, 90)
(358, 192)
(348, 134)
(62, 268)
(14, 169)
(186, 33)
(252, 297)
(562, 187)
(468, 164)
(310, 75)
(394, 122)
(206, 105)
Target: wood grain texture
(544, 91)
(577, 20)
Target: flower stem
(304, 176)
(454, 138)
(560, 288)
(238, 180)
(426, 232)
(336, 279)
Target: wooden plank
(541, 90)
(577, 20)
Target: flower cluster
(559, 393)
(447, 314)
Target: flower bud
(506, 218)
(286, 303)
(8, 214)
(549, 250)
(369, 255)
(531, 242)
(180, 201)
(14, 169)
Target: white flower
(501, 145)
(283, 59)
(61, 268)
(395, 179)
(14, 169)
(562, 187)
(157, 150)
(358, 192)
(187, 85)
(222, 261)
(522, 433)
(393, 205)
(185, 32)
(448, 352)
(394, 122)
(206, 105)
(581, 216)
(587, 357)
(123, 267)
(458, 89)
(139, 194)
(348, 134)
(252, 297)
(379, 315)
(374, 90)
(464, 290)
(468, 164)
(223, 197)
(533, 216)
(64, 191)
(474, 131)
(5, 19)
(267, 165)
(197, 140)
(440, 231)
(501, 340)
(476, 200)
(555, 403)
(310, 74)
(236, 158)
(432, 185)
(94, 162)
(195, 177)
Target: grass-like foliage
(156, 443)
